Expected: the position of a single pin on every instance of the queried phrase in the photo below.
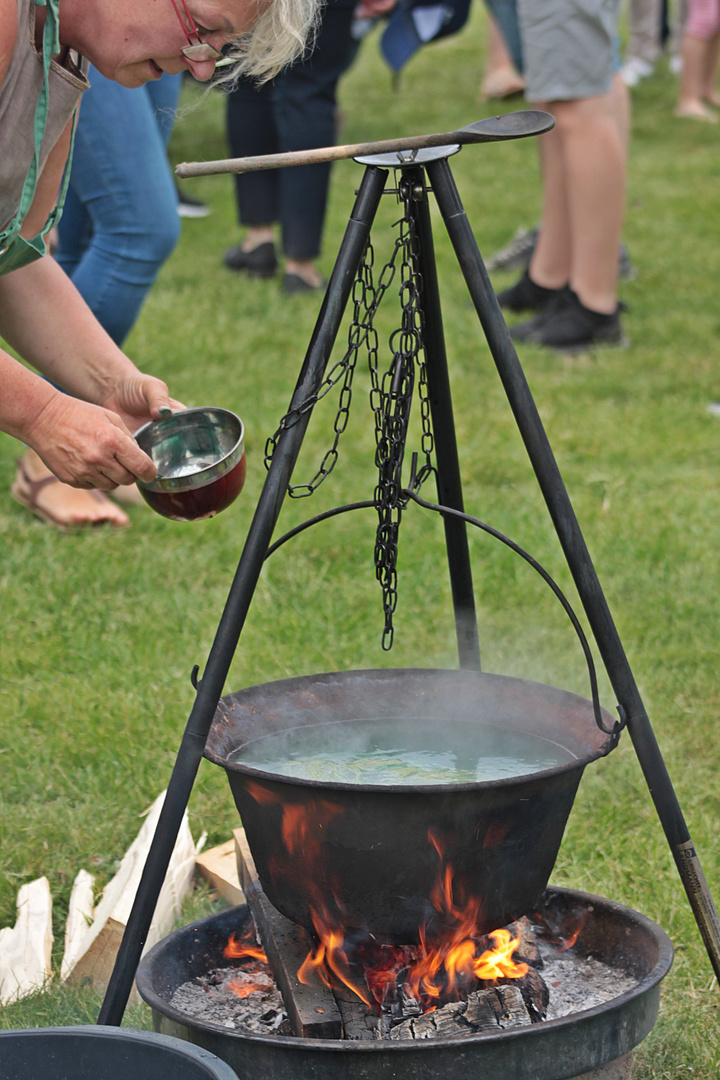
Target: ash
(578, 982)
(242, 998)
(574, 983)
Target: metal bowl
(200, 460)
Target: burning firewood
(485, 1012)
(527, 951)
(310, 1005)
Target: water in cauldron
(410, 750)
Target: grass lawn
(100, 631)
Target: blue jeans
(120, 221)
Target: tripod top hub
(409, 157)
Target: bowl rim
(203, 477)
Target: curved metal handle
(368, 504)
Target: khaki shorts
(568, 47)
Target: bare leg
(256, 235)
(501, 77)
(693, 80)
(305, 269)
(583, 164)
(551, 262)
(712, 61)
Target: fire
(235, 949)
(440, 968)
(254, 976)
(497, 963)
(329, 958)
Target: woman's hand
(89, 446)
(137, 399)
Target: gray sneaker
(517, 255)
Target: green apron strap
(18, 251)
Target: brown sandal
(25, 491)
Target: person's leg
(121, 175)
(251, 130)
(569, 55)
(500, 78)
(644, 43)
(551, 261)
(594, 165)
(698, 60)
(712, 61)
(306, 113)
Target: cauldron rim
(605, 742)
(645, 986)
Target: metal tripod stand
(421, 172)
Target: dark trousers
(295, 111)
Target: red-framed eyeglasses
(196, 50)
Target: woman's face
(134, 41)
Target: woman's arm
(85, 442)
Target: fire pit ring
(552, 1050)
(366, 849)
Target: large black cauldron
(363, 852)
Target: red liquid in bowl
(199, 503)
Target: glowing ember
(253, 979)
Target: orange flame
(329, 958)
(235, 949)
(497, 963)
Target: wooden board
(311, 1007)
(25, 948)
(219, 866)
(91, 950)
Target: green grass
(101, 631)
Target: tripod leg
(449, 486)
(578, 557)
(238, 602)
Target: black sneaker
(293, 283)
(189, 206)
(568, 326)
(260, 262)
(526, 295)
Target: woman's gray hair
(282, 33)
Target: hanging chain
(391, 394)
(366, 299)
(391, 399)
